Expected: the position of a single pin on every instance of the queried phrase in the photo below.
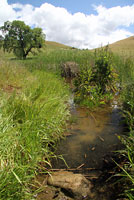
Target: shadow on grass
(29, 58)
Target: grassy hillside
(124, 47)
(55, 45)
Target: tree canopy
(20, 38)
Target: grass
(123, 47)
(125, 67)
(33, 114)
(52, 59)
(55, 45)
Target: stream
(90, 144)
(92, 137)
(89, 149)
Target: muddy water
(92, 138)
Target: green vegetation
(126, 71)
(51, 59)
(34, 110)
(97, 84)
(33, 115)
(20, 38)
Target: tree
(20, 38)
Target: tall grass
(125, 68)
(51, 59)
(33, 114)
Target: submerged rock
(75, 184)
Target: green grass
(51, 56)
(125, 67)
(51, 60)
(33, 115)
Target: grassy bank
(33, 114)
(125, 68)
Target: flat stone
(75, 184)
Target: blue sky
(73, 6)
(82, 24)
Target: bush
(95, 85)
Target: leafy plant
(105, 75)
(95, 85)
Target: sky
(78, 23)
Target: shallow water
(89, 148)
(92, 137)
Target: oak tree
(20, 38)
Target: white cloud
(6, 12)
(78, 30)
(24, 12)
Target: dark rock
(75, 184)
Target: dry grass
(124, 47)
(55, 45)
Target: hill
(123, 47)
(55, 45)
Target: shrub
(95, 85)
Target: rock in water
(76, 184)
